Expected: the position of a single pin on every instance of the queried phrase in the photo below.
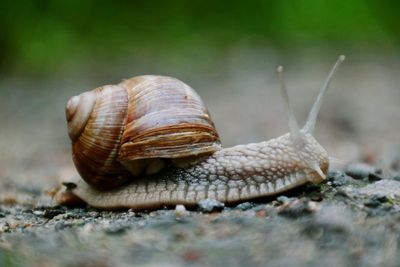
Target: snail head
(308, 149)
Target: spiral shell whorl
(122, 131)
(77, 111)
(95, 152)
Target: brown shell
(131, 126)
(166, 119)
(96, 150)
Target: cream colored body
(239, 173)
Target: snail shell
(121, 131)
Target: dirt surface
(352, 219)
(342, 222)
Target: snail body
(229, 175)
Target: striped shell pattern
(119, 132)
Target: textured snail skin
(239, 173)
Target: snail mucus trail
(229, 175)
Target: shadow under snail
(149, 142)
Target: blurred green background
(46, 37)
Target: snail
(149, 142)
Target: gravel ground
(352, 219)
(341, 222)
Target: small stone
(245, 206)
(210, 205)
(360, 170)
(180, 211)
(51, 213)
(337, 178)
(283, 199)
(94, 214)
(375, 201)
(298, 208)
(58, 217)
(38, 212)
(373, 177)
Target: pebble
(210, 205)
(58, 217)
(372, 177)
(298, 207)
(38, 212)
(245, 206)
(94, 214)
(337, 179)
(283, 199)
(180, 211)
(360, 170)
(375, 201)
(51, 213)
